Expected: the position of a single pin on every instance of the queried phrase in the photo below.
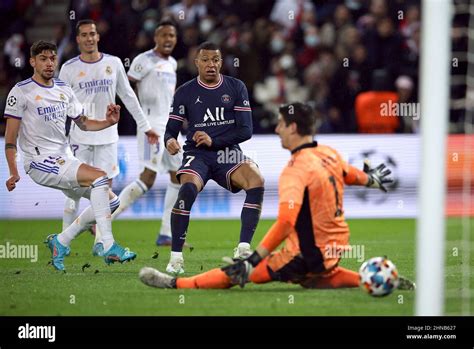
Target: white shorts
(155, 156)
(103, 156)
(56, 171)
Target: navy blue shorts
(215, 165)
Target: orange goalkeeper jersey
(311, 190)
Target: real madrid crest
(62, 97)
(108, 70)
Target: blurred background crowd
(344, 57)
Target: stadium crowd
(341, 56)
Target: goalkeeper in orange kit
(310, 218)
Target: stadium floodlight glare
(435, 87)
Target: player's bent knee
(254, 177)
(87, 175)
(100, 173)
(148, 177)
(256, 181)
(173, 178)
(186, 178)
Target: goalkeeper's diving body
(310, 218)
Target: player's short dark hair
(301, 114)
(40, 46)
(207, 45)
(166, 21)
(83, 22)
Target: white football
(378, 276)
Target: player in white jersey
(96, 78)
(36, 112)
(154, 73)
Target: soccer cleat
(58, 251)
(118, 254)
(163, 240)
(405, 284)
(98, 249)
(155, 278)
(175, 266)
(242, 251)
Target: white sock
(101, 208)
(176, 255)
(114, 204)
(170, 198)
(245, 245)
(70, 212)
(82, 223)
(129, 195)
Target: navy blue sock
(251, 213)
(180, 215)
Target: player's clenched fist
(173, 146)
(201, 137)
(11, 182)
(113, 113)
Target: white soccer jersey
(95, 85)
(156, 85)
(43, 111)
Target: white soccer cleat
(155, 278)
(242, 251)
(175, 266)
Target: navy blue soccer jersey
(222, 111)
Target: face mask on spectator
(311, 40)
(149, 25)
(287, 62)
(206, 26)
(277, 45)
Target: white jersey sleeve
(128, 97)
(63, 75)
(156, 82)
(16, 103)
(75, 108)
(139, 67)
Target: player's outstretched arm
(354, 176)
(11, 135)
(111, 118)
(378, 176)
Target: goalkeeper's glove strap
(254, 259)
(370, 182)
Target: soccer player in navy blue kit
(219, 117)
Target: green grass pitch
(36, 289)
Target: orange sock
(339, 278)
(214, 278)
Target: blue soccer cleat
(163, 240)
(118, 254)
(58, 251)
(98, 249)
